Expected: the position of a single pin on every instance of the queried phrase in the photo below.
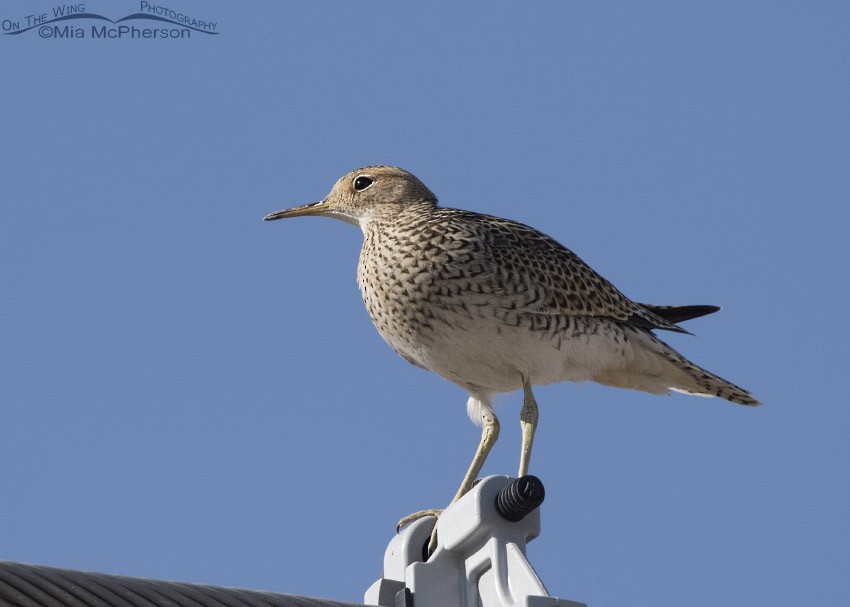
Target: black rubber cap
(519, 498)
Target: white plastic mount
(479, 561)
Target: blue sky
(189, 393)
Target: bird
(496, 306)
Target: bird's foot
(435, 512)
(432, 543)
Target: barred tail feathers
(658, 368)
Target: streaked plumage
(495, 306)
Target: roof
(26, 585)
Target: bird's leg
(528, 422)
(489, 434)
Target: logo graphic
(68, 21)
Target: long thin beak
(314, 208)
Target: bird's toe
(435, 512)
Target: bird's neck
(396, 216)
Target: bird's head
(368, 193)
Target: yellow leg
(489, 435)
(528, 422)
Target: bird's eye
(362, 182)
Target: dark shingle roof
(25, 585)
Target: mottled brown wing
(539, 275)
